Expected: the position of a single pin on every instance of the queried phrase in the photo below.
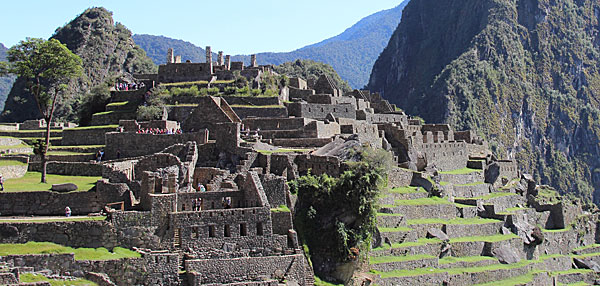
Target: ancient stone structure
(202, 193)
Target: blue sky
(234, 26)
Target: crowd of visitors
(128, 86)
(159, 131)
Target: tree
(47, 66)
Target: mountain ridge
(351, 53)
(523, 75)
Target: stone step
(573, 276)
(501, 201)
(594, 248)
(390, 263)
(457, 227)
(396, 235)
(482, 245)
(466, 262)
(462, 178)
(476, 189)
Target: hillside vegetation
(524, 74)
(5, 82)
(106, 49)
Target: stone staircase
(423, 239)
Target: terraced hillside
(479, 234)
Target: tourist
(202, 189)
(98, 156)
(67, 211)
(118, 154)
(1, 183)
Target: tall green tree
(47, 66)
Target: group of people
(197, 204)
(128, 86)
(159, 131)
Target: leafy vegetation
(336, 216)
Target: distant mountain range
(351, 53)
(5, 82)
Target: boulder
(63, 188)
(506, 255)
(586, 263)
(437, 233)
(492, 172)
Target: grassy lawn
(54, 219)
(80, 253)
(462, 171)
(423, 202)
(388, 259)
(319, 282)
(452, 221)
(31, 182)
(119, 103)
(449, 259)
(11, 163)
(30, 278)
(281, 209)
(95, 126)
(491, 238)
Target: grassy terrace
(77, 146)
(478, 269)
(419, 242)
(449, 259)
(388, 259)
(462, 171)
(517, 280)
(11, 163)
(31, 278)
(184, 83)
(423, 202)
(452, 221)
(586, 247)
(95, 126)
(54, 219)
(31, 182)
(281, 209)
(407, 190)
(80, 253)
(395, 229)
(491, 238)
(119, 103)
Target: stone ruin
(453, 214)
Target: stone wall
(282, 222)
(445, 156)
(85, 136)
(184, 72)
(257, 111)
(249, 269)
(318, 165)
(320, 111)
(69, 233)
(131, 144)
(53, 203)
(14, 171)
(275, 123)
(399, 177)
(275, 188)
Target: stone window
(259, 228)
(211, 231)
(227, 231)
(243, 230)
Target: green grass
(18, 146)
(77, 146)
(103, 113)
(68, 153)
(594, 254)
(423, 201)
(407, 190)
(30, 278)
(319, 282)
(54, 219)
(281, 209)
(419, 242)
(11, 163)
(256, 106)
(95, 127)
(80, 253)
(387, 214)
(462, 171)
(388, 259)
(556, 230)
(408, 273)
(517, 280)
(586, 247)
(458, 221)
(491, 238)
(448, 260)
(580, 283)
(31, 182)
(394, 229)
(119, 103)
(571, 271)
